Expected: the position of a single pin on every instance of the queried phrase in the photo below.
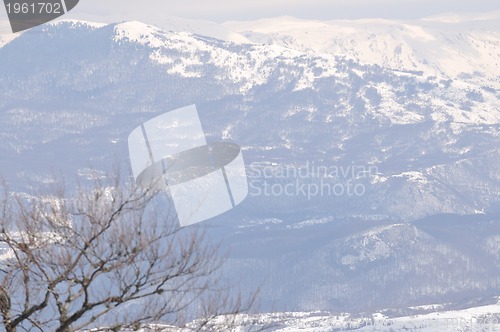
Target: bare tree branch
(110, 256)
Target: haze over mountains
(407, 111)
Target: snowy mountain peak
(439, 47)
(138, 32)
(450, 46)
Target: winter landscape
(371, 146)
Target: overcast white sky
(223, 10)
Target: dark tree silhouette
(108, 257)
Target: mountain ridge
(427, 147)
(403, 45)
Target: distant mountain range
(406, 113)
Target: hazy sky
(222, 10)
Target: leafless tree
(106, 257)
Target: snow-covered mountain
(398, 124)
(480, 318)
(426, 318)
(448, 46)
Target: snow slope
(443, 46)
(483, 318)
